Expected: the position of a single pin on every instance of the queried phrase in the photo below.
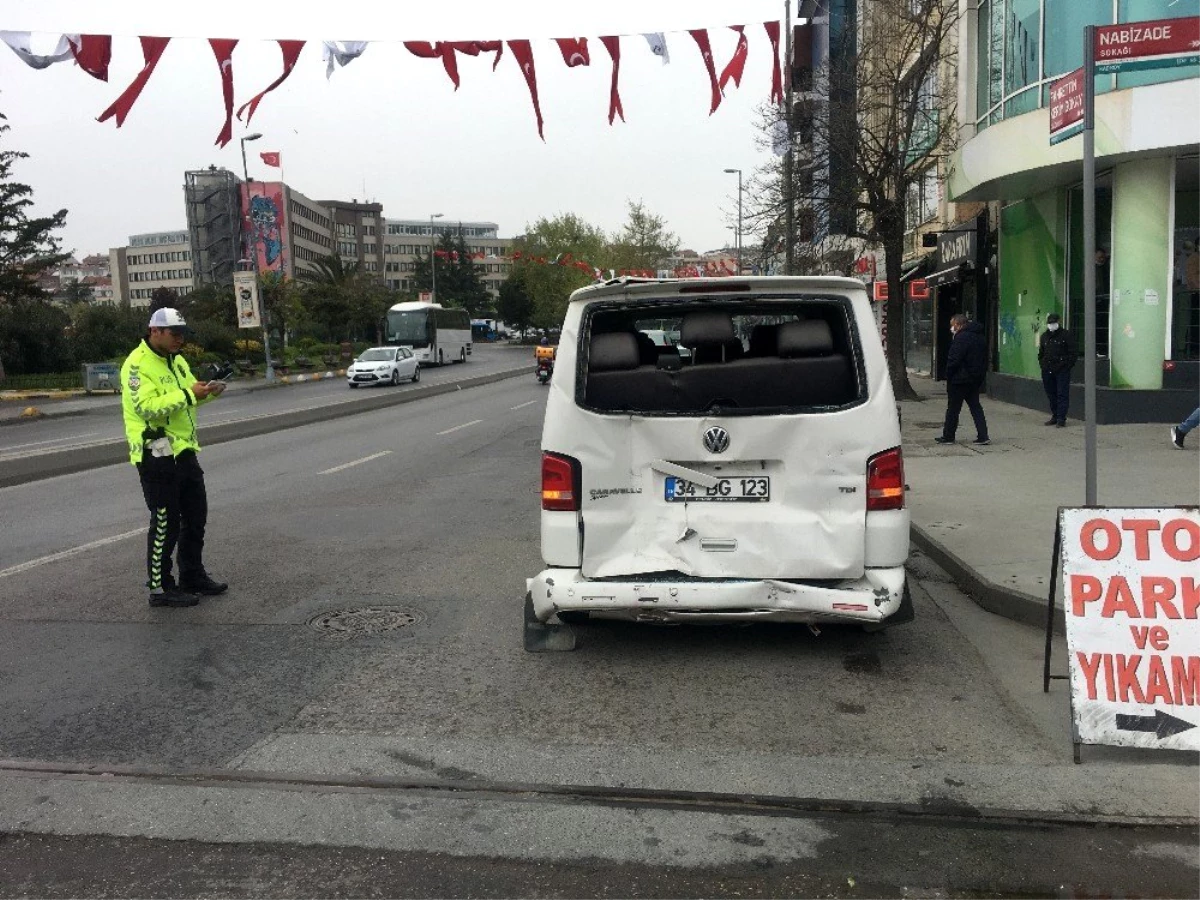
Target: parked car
(383, 365)
(752, 481)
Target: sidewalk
(987, 514)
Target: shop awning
(916, 268)
(948, 275)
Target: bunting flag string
(152, 51)
(291, 53)
(737, 64)
(612, 44)
(20, 42)
(93, 54)
(700, 35)
(772, 29)
(223, 50)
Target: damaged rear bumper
(871, 599)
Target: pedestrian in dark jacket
(1056, 355)
(966, 367)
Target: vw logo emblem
(716, 439)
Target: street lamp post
(432, 261)
(739, 225)
(270, 372)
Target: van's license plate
(727, 490)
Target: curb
(1016, 605)
(65, 462)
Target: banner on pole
(1131, 601)
(1066, 106)
(245, 291)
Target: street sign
(1147, 45)
(1066, 106)
(245, 291)
(1131, 602)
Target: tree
(643, 243)
(565, 238)
(515, 306)
(328, 291)
(28, 248)
(889, 75)
(459, 277)
(100, 333)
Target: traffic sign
(1160, 43)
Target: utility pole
(789, 201)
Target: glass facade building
(1147, 140)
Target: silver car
(383, 365)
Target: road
(763, 756)
(97, 419)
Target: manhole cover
(362, 621)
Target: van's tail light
(885, 480)
(561, 479)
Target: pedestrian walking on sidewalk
(158, 401)
(1056, 355)
(966, 367)
(1179, 431)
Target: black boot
(170, 595)
(205, 585)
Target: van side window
(682, 359)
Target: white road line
(50, 441)
(357, 462)
(523, 405)
(459, 427)
(65, 554)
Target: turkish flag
(291, 52)
(152, 51)
(776, 75)
(612, 43)
(574, 51)
(737, 65)
(223, 51)
(93, 52)
(700, 35)
(524, 56)
(272, 158)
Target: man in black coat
(966, 366)
(1056, 355)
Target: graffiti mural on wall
(265, 224)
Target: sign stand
(1046, 676)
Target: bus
(437, 335)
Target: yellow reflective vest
(156, 393)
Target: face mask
(1053, 326)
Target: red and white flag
(272, 158)
(700, 35)
(223, 50)
(291, 52)
(776, 75)
(737, 65)
(574, 51)
(152, 51)
(612, 43)
(524, 55)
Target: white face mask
(1053, 326)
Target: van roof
(633, 288)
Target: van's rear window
(721, 357)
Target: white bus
(436, 335)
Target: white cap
(167, 318)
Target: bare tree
(853, 175)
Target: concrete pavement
(987, 514)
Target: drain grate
(362, 621)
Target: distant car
(383, 365)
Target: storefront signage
(1066, 106)
(918, 289)
(1131, 599)
(956, 247)
(1147, 45)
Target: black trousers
(178, 504)
(956, 395)
(1058, 392)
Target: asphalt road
(97, 419)
(927, 753)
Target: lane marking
(459, 427)
(357, 462)
(523, 405)
(65, 554)
(50, 441)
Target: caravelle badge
(716, 439)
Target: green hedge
(55, 381)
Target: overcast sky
(390, 127)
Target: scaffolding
(213, 200)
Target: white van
(758, 478)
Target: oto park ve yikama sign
(1131, 597)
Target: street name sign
(1066, 106)
(1131, 602)
(1161, 43)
